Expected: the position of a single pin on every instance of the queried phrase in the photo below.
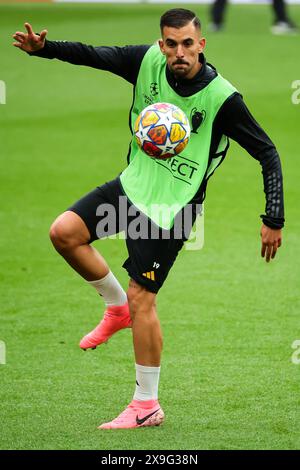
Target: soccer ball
(162, 130)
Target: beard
(180, 71)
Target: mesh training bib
(160, 189)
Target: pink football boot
(115, 318)
(137, 414)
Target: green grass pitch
(229, 319)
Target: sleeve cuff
(273, 222)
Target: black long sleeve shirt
(233, 119)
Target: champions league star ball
(162, 130)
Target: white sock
(147, 379)
(110, 289)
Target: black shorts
(151, 250)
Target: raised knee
(68, 231)
(61, 237)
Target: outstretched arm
(30, 42)
(123, 61)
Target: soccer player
(173, 70)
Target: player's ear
(161, 45)
(202, 43)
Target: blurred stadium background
(229, 319)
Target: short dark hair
(179, 17)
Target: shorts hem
(153, 288)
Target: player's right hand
(29, 42)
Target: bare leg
(147, 335)
(70, 238)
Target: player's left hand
(270, 242)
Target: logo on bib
(197, 117)
(154, 89)
(180, 167)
